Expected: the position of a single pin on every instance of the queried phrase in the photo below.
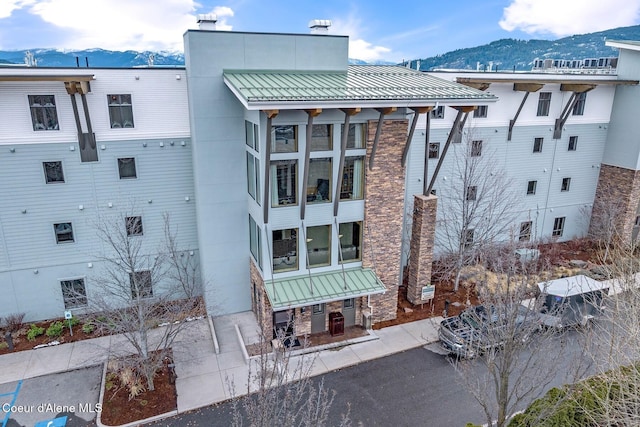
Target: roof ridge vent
(319, 26)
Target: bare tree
(519, 359)
(281, 391)
(137, 296)
(476, 205)
(604, 220)
(184, 265)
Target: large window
(352, 179)
(319, 245)
(253, 177)
(134, 225)
(251, 135)
(43, 112)
(64, 232)
(255, 244)
(74, 293)
(321, 137)
(350, 237)
(476, 148)
(537, 145)
(284, 182)
(525, 231)
(480, 112)
(53, 172)
(558, 226)
(285, 249)
(578, 107)
(357, 135)
(127, 168)
(531, 187)
(141, 285)
(544, 102)
(434, 150)
(120, 111)
(319, 181)
(284, 139)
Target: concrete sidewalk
(209, 361)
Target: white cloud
(358, 47)
(568, 17)
(120, 24)
(222, 12)
(8, 6)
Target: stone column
(421, 246)
(618, 185)
(261, 307)
(384, 207)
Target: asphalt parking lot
(73, 394)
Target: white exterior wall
(31, 262)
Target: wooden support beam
(351, 111)
(577, 88)
(527, 87)
(477, 85)
(271, 113)
(465, 108)
(315, 112)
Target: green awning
(301, 291)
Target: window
(43, 112)
(434, 150)
(537, 145)
(357, 135)
(319, 246)
(284, 139)
(468, 238)
(558, 226)
(134, 225)
(285, 250)
(573, 143)
(457, 134)
(120, 111)
(255, 244)
(127, 168)
(544, 101)
(319, 180)
(352, 179)
(53, 172)
(438, 112)
(472, 192)
(348, 303)
(141, 286)
(251, 135)
(476, 148)
(284, 183)
(74, 293)
(566, 182)
(531, 187)
(350, 235)
(578, 107)
(253, 177)
(64, 232)
(321, 137)
(637, 223)
(480, 112)
(525, 231)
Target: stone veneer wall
(421, 246)
(384, 207)
(619, 184)
(261, 308)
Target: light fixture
(81, 207)
(149, 201)
(178, 76)
(137, 77)
(144, 144)
(90, 265)
(183, 143)
(103, 147)
(72, 148)
(171, 142)
(162, 144)
(191, 253)
(13, 150)
(24, 211)
(109, 205)
(187, 198)
(35, 271)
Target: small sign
(428, 292)
(56, 422)
(68, 315)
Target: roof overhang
(623, 44)
(46, 78)
(561, 80)
(319, 288)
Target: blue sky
(378, 30)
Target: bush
(14, 321)
(55, 329)
(88, 327)
(34, 331)
(74, 321)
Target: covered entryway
(318, 318)
(283, 323)
(349, 312)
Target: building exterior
(304, 185)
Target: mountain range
(510, 54)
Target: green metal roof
(360, 85)
(301, 291)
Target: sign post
(68, 315)
(428, 292)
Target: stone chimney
(207, 21)
(319, 26)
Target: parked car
(477, 329)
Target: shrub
(88, 327)
(34, 331)
(3, 345)
(14, 321)
(74, 321)
(55, 329)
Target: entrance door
(282, 321)
(318, 318)
(349, 312)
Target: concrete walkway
(205, 375)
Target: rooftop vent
(207, 21)
(319, 26)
